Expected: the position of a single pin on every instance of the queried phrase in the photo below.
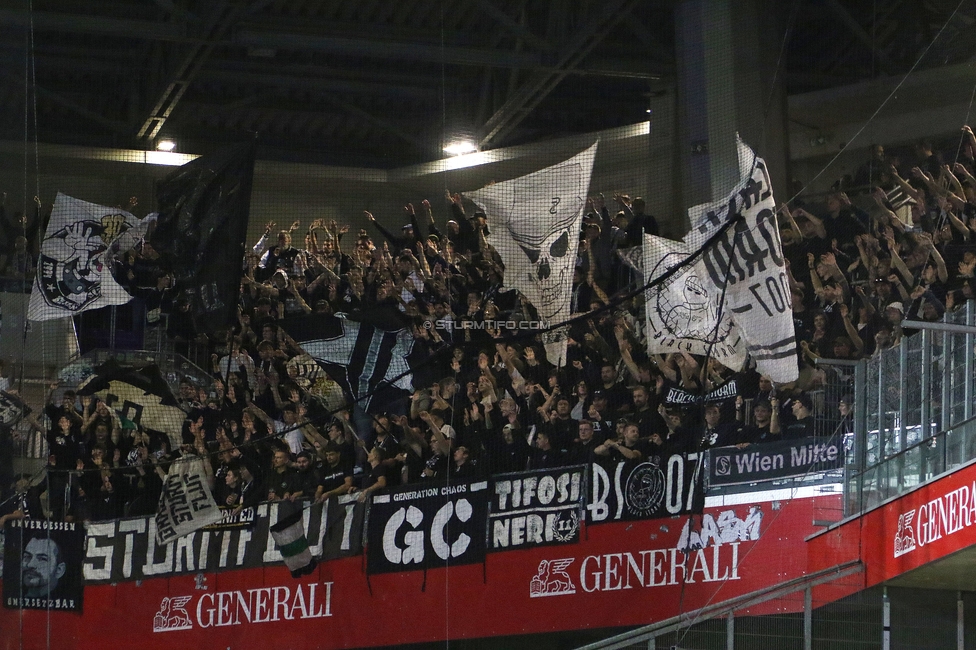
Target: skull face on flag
(535, 223)
(549, 244)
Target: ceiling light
(166, 144)
(461, 147)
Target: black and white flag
(735, 297)
(12, 409)
(72, 273)
(186, 503)
(535, 223)
(373, 366)
(139, 395)
(685, 313)
(902, 203)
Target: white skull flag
(535, 223)
(736, 293)
(72, 272)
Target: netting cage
(487, 323)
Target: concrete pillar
(728, 52)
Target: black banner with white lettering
(427, 526)
(773, 460)
(648, 490)
(126, 549)
(345, 519)
(728, 390)
(536, 508)
(42, 565)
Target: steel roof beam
(45, 21)
(516, 28)
(52, 97)
(222, 18)
(399, 50)
(251, 35)
(315, 83)
(525, 99)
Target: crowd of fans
(895, 242)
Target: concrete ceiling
(954, 572)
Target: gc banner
(781, 459)
(42, 565)
(537, 508)
(421, 527)
(646, 490)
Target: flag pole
(111, 330)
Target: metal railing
(914, 413)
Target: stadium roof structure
(385, 83)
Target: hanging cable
(881, 106)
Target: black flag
(203, 212)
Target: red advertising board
(921, 526)
(609, 579)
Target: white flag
(186, 503)
(736, 297)
(535, 223)
(72, 273)
(685, 312)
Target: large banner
(42, 565)
(534, 225)
(773, 460)
(186, 503)
(686, 312)
(536, 508)
(735, 298)
(425, 527)
(126, 549)
(647, 490)
(204, 206)
(72, 274)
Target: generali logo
(552, 579)
(264, 605)
(905, 535)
